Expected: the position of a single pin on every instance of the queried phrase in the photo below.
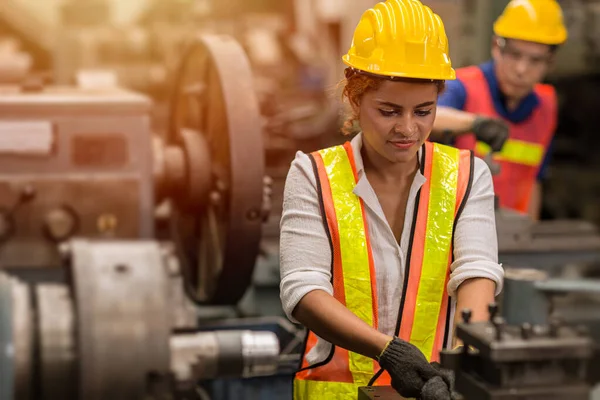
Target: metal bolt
(267, 181)
(215, 198)
(27, 193)
(220, 185)
(253, 214)
(466, 315)
(499, 325)
(493, 310)
(121, 268)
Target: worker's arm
(476, 276)
(332, 321)
(450, 122)
(412, 376)
(476, 295)
(305, 266)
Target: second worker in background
(501, 106)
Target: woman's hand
(410, 371)
(436, 389)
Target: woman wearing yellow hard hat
(384, 236)
(501, 106)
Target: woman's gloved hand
(436, 389)
(410, 370)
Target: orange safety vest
(523, 153)
(424, 313)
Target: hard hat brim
(442, 73)
(558, 39)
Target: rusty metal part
(122, 310)
(215, 99)
(56, 342)
(16, 339)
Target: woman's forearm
(332, 321)
(476, 295)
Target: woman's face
(397, 118)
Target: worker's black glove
(410, 370)
(436, 389)
(491, 131)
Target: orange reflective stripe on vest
(448, 173)
(431, 249)
(358, 272)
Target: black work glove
(436, 389)
(409, 369)
(491, 131)
(439, 388)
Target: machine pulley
(214, 168)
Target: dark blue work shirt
(455, 96)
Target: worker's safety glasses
(514, 56)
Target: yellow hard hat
(401, 38)
(539, 21)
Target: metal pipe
(209, 355)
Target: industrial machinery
(549, 245)
(113, 237)
(500, 361)
(85, 163)
(119, 328)
(503, 362)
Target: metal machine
(112, 236)
(85, 163)
(548, 245)
(119, 328)
(505, 362)
(502, 361)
